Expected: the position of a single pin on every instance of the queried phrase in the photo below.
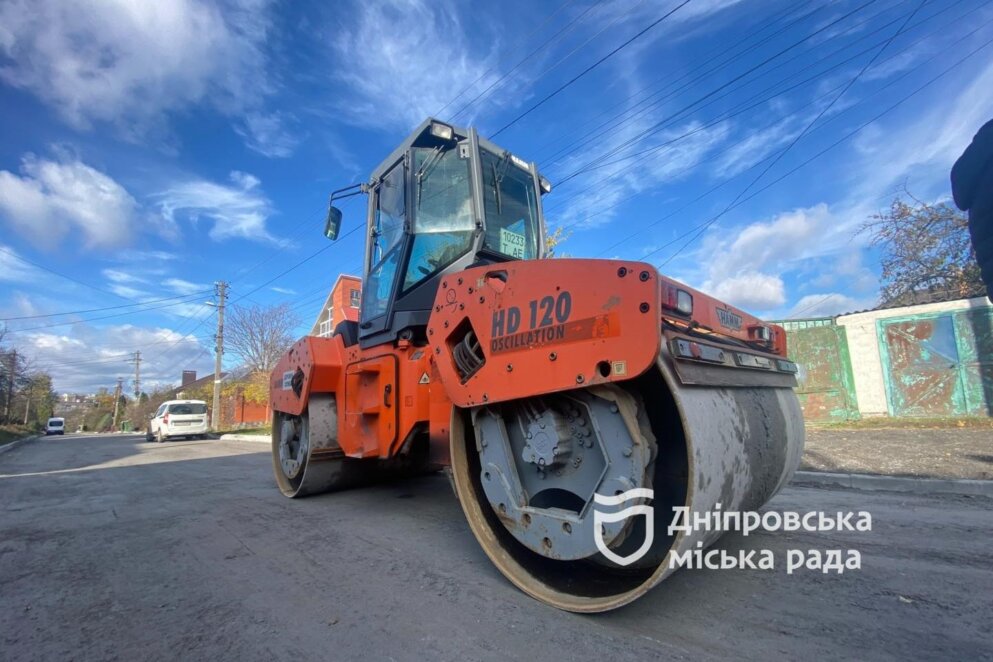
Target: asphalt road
(113, 548)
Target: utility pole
(222, 293)
(137, 375)
(117, 402)
(11, 369)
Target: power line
(660, 124)
(565, 58)
(95, 310)
(799, 136)
(589, 69)
(189, 299)
(490, 70)
(761, 102)
(595, 133)
(857, 130)
(744, 107)
(548, 42)
(60, 274)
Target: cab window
(443, 219)
(385, 242)
(511, 206)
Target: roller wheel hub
(542, 460)
(293, 447)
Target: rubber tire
(149, 438)
(159, 437)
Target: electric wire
(588, 69)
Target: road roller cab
(577, 403)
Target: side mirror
(333, 223)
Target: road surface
(115, 548)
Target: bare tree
(15, 374)
(259, 335)
(553, 240)
(926, 252)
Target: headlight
(443, 131)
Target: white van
(178, 418)
(55, 426)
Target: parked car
(178, 418)
(55, 425)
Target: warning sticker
(424, 379)
(512, 243)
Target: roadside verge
(895, 483)
(17, 442)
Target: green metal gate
(938, 364)
(826, 387)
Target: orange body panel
(546, 326)
(319, 362)
(542, 326)
(713, 315)
(384, 393)
(370, 411)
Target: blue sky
(151, 149)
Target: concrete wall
(863, 345)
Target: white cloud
(825, 305)
(773, 244)
(266, 133)
(131, 63)
(118, 276)
(750, 290)
(845, 268)
(180, 286)
(403, 60)
(239, 210)
(15, 270)
(146, 256)
(602, 191)
(748, 265)
(126, 285)
(51, 199)
(924, 148)
(86, 357)
(756, 147)
(684, 23)
(282, 290)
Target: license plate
(181, 423)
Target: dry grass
(886, 423)
(9, 433)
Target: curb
(257, 438)
(896, 483)
(14, 444)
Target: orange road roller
(577, 403)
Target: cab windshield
(511, 205)
(443, 219)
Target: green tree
(927, 254)
(36, 401)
